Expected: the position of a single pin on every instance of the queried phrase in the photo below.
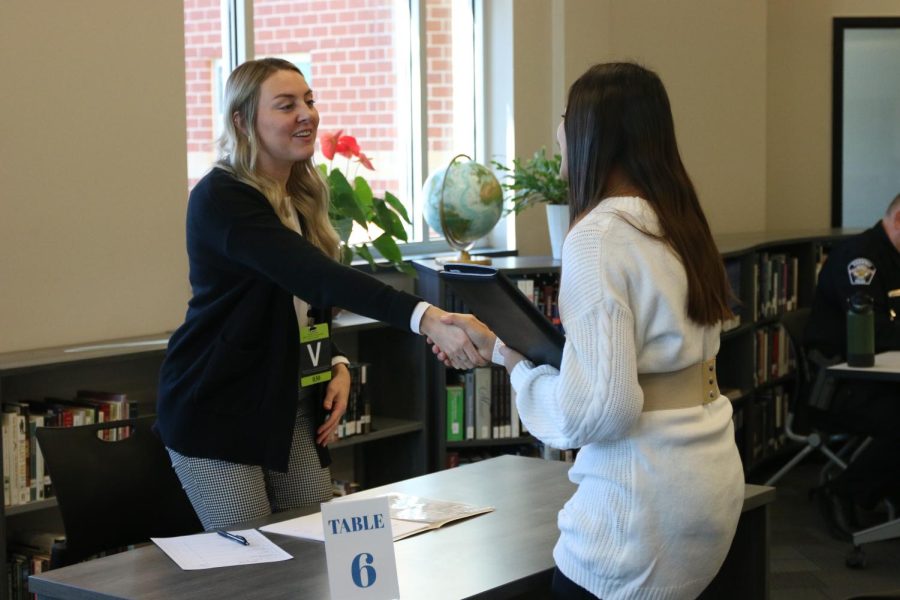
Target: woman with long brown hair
(642, 295)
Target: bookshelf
(770, 272)
(544, 271)
(394, 448)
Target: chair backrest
(794, 322)
(814, 388)
(114, 493)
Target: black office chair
(113, 494)
(807, 420)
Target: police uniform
(867, 263)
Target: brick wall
(349, 45)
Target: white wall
(710, 55)
(798, 128)
(92, 171)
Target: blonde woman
(261, 250)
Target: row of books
(768, 413)
(759, 424)
(19, 567)
(775, 277)
(481, 405)
(773, 353)
(358, 418)
(542, 290)
(28, 553)
(25, 478)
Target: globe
(463, 202)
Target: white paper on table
(409, 515)
(309, 527)
(209, 550)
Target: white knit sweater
(659, 493)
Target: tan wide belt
(691, 386)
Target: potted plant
(537, 181)
(355, 203)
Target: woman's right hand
(452, 339)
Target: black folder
(500, 305)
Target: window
(866, 113)
(398, 75)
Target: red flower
(364, 161)
(347, 146)
(328, 142)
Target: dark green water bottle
(860, 331)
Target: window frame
(238, 46)
(839, 26)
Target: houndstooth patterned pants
(223, 493)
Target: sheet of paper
(209, 550)
(309, 527)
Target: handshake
(462, 341)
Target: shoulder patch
(861, 271)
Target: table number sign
(359, 549)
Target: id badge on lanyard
(315, 354)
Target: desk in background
(503, 554)
(886, 368)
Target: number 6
(356, 571)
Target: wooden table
(503, 554)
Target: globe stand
(463, 257)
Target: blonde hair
(307, 192)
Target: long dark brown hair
(618, 116)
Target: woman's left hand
(510, 358)
(336, 395)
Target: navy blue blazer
(228, 385)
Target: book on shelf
(488, 390)
(25, 477)
(358, 417)
(468, 379)
(410, 515)
(455, 404)
(483, 403)
(110, 406)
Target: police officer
(869, 263)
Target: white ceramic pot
(557, 225)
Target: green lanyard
(315, 354)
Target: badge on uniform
(861, 271)
(315, 355)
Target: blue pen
(234, 537)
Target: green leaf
(408, 269)
(388, 248)
(343, 198)
(397, 206)
(533, 181)
(346, 254)
(363, 251)
(363, 194)
(343, 226)
(388, 220)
